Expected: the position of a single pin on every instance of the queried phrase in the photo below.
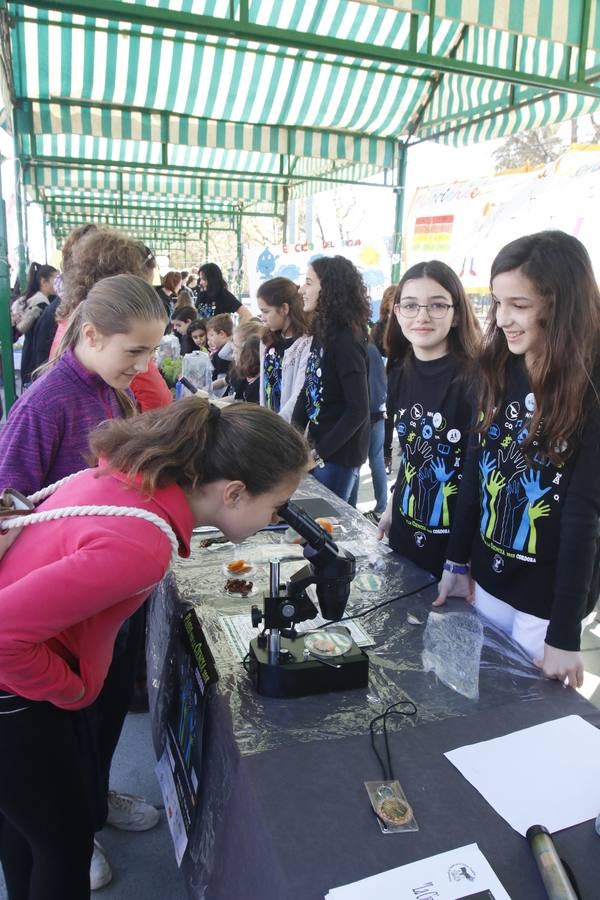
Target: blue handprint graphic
(438, 469)
(533, 491)
(486, 467)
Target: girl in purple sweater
(109, 340)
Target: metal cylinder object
(273, 649)
(556, 881)
(274, 576)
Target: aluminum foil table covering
(445, 661)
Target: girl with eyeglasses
(528, 515)
(432, 339)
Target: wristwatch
(456, 568)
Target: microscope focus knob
(256, 616)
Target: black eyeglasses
(410, 310)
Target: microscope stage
(295, 676)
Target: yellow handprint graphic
(495, 484)
(447, 491)
(408, 500)
(538, 511)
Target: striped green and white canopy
(168, 113)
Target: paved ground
(144, 864)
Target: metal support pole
(20, 230)
(6, 343)
(240, 253)
(45, 239)
(398, 220)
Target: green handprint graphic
(537, 511)
(447, 490)
(408, 500)
(495, 484)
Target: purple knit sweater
(46, 434)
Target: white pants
(527, 630)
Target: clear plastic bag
(452, 646)
(198, 370)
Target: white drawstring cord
(72, 511)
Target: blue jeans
(339, 479)
(377, 467)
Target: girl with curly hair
(333, 405)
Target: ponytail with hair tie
(173, 445)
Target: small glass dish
(242, 572)
(239, 588)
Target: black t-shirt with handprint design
(433, 402)
(530, 527)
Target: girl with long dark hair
(334, 402)
(27, 311)
(432, 338)
(212, 298)
(285, 345)
(529, 509)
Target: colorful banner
(464, 224)
(291, 261)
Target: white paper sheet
(547, 775)
(454, 875)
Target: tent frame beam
(234, 175)
(25, 108)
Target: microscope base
(299, 677)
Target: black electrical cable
(388, 773)
(367, 612)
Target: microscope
(283, 663)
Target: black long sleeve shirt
(335, 400)
(43, 335)
(530, 528)
(433, 405)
